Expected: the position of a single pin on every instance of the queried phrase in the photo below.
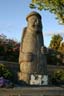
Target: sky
(13, 20)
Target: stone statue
(32, 57)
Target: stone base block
(39, 79)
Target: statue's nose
(36, 22)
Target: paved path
(32, 91)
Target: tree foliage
(55, 54)
(9, 49)
(61, 48)
(54, 57)
(54, 6)
(55, 41)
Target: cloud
(52, 33)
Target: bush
(57, 77)
(4, 72)
(54, 57)
(9, 49)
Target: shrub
(57, 77)
(4, 72)
(9, 49)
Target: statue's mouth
(35, 26)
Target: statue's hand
(27, 57)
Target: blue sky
(13, 19)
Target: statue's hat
(33, 13)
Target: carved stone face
(34, 23)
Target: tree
(56, 50)
(61, 47)
(54, 6)
(55, 42)
(9, 49)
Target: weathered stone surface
(32, 58)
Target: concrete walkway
(32, 91)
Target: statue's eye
(33, 20)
